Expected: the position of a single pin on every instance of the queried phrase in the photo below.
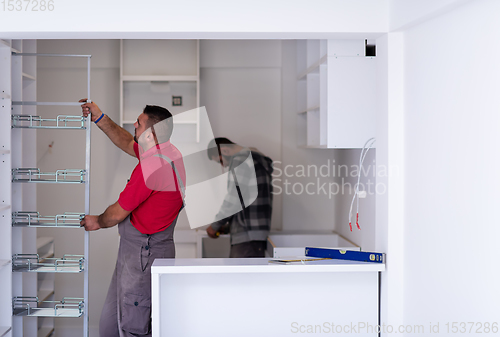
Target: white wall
(241, 89)
(451, 146)
(389, 234)
(406, 13)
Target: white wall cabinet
(5, 190)
(336, 94)
(154, 72)
(17, 149)
(18, 84)
(27, 263)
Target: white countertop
(258, 265)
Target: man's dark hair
(212, 151)
(157, 114)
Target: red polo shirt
(152, 193)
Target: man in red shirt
(146, 213)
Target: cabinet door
(336, 94)
(351, 101)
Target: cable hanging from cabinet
(364, 151)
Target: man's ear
(225, 150)
(150, 134)
(153, 134)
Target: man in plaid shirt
(248, 204)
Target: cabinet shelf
(60, 122)
(186, 122)
(4, 263)
(159, 78)
(45, 331)
(31, 306)
(46, 103)
(313, 68)
(33, 219)
(312, 147)
(34, 263)
(28, 76)
(33, 175)
(43, 241)
(44, 295)
(309, 109)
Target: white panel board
(242, 302)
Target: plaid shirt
(252, 223)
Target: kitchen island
(257, 297)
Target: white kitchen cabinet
(164, 73)
(27, 263)
(286, 296)
(6, 190)
(336, 94)
(19, 149)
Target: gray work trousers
(248, 249)
(127, 308)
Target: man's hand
(90, 222)
(91, 108)
(212, 233)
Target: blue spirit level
(340, 254)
